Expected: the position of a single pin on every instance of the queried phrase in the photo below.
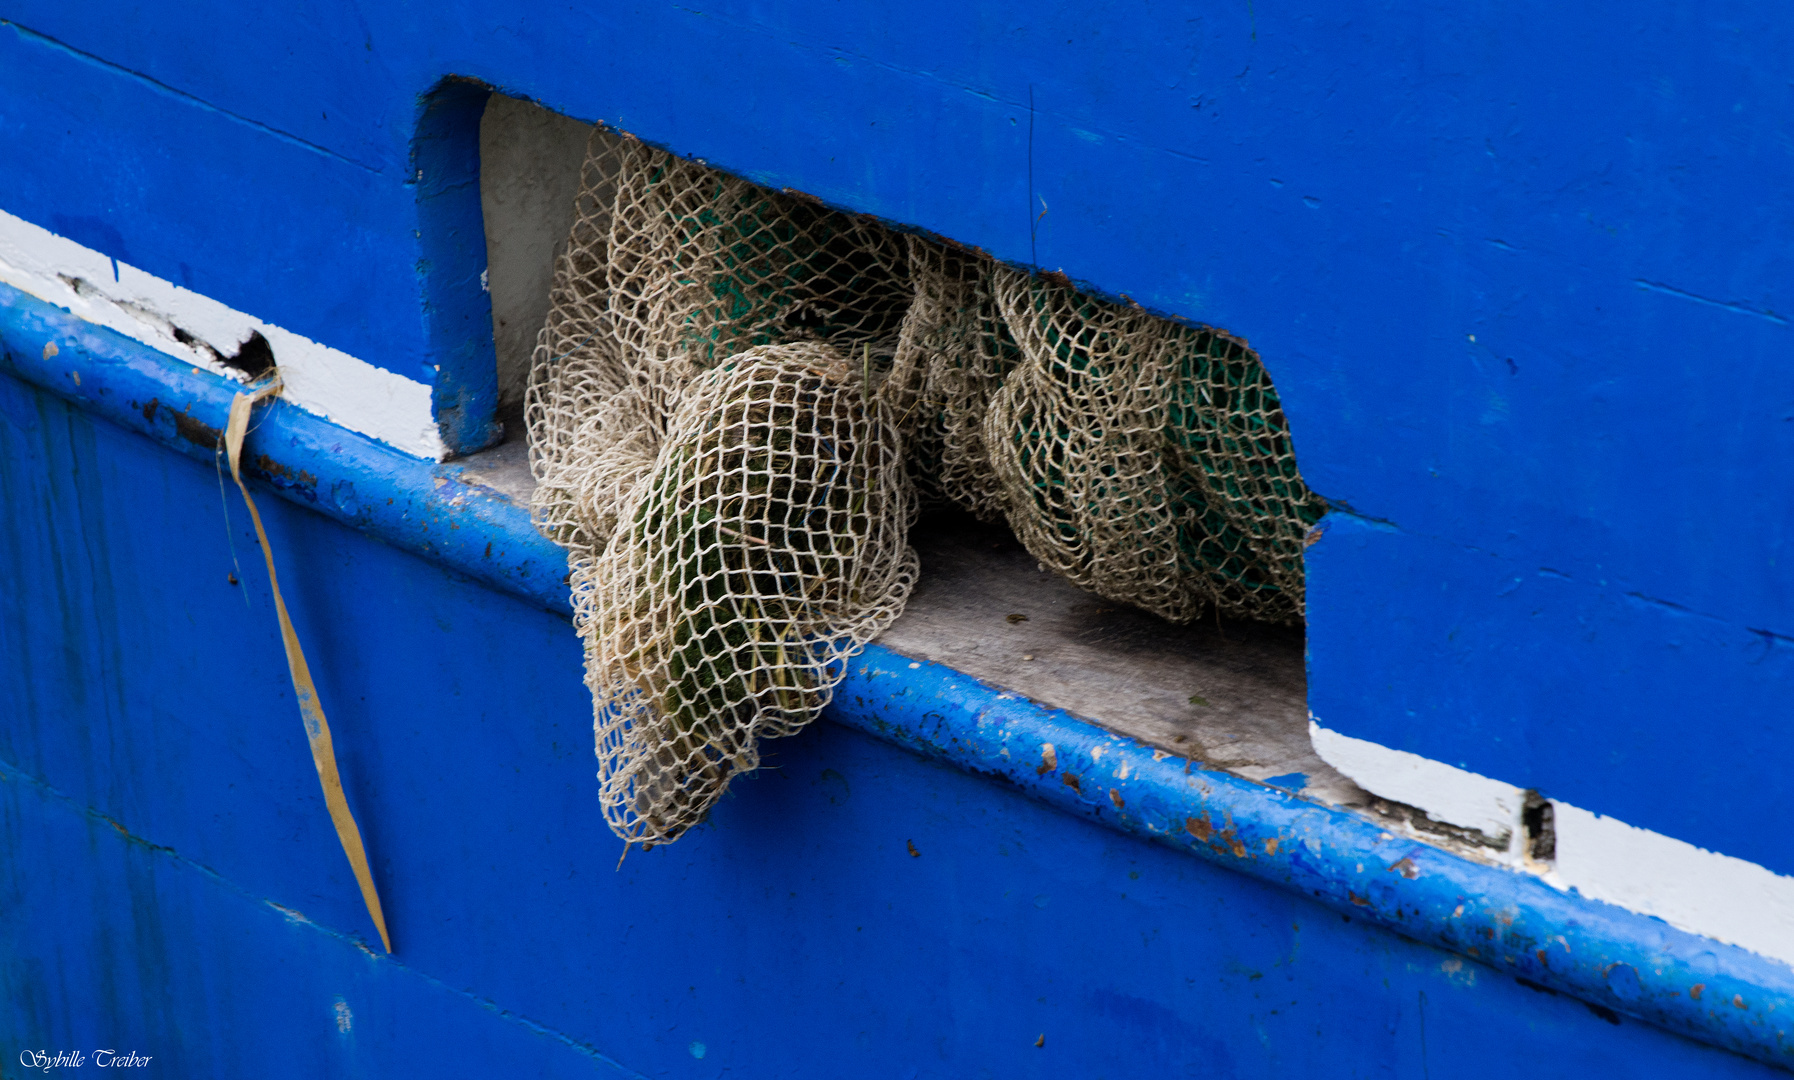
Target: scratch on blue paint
(1735, 308)
(182, 95)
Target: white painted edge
(1703, 892)
(328, 382)
(1447, 793)
(1688, 887)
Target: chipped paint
(1342, 860)
(199, 330)
(1445, 793)
(379, 489)
(1704, 892)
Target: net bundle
(740, 398)
(731, 494)
(765, 546)
(1146, 460)
(952, 355)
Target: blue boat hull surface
(173, 885)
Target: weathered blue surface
(1517, 700)
(173, 884)
(1521, 273)
(1612, 959)
(418, 506)
(1514, 922)
(451, 269)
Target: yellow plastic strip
(317, 729)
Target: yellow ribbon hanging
(317, 729)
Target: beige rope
(317, 729)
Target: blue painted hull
(1520, 273)
(173, 884)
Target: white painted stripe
(339, 387)
(1693, 889)
(1446, 793)
(1690, 888)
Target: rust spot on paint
(1115, 797)
(1738, 1002)
(50, 350)
(272, 467)
(1239, 849)
(913, 853)
(1049, 759)
(1199, 827)
(1356, 899)
(1546, 960)
(1271, 846)
(1042, 1040)
(1695, 990)
(1406, 868)
(196, 432)
(1071, 781)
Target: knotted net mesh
(764, 546)
(740, 398)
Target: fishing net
(739, 399)
(708, 448)
(1077, 437)
(952, 355)
(670, 267)
(1146, 460)
(767, 545)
